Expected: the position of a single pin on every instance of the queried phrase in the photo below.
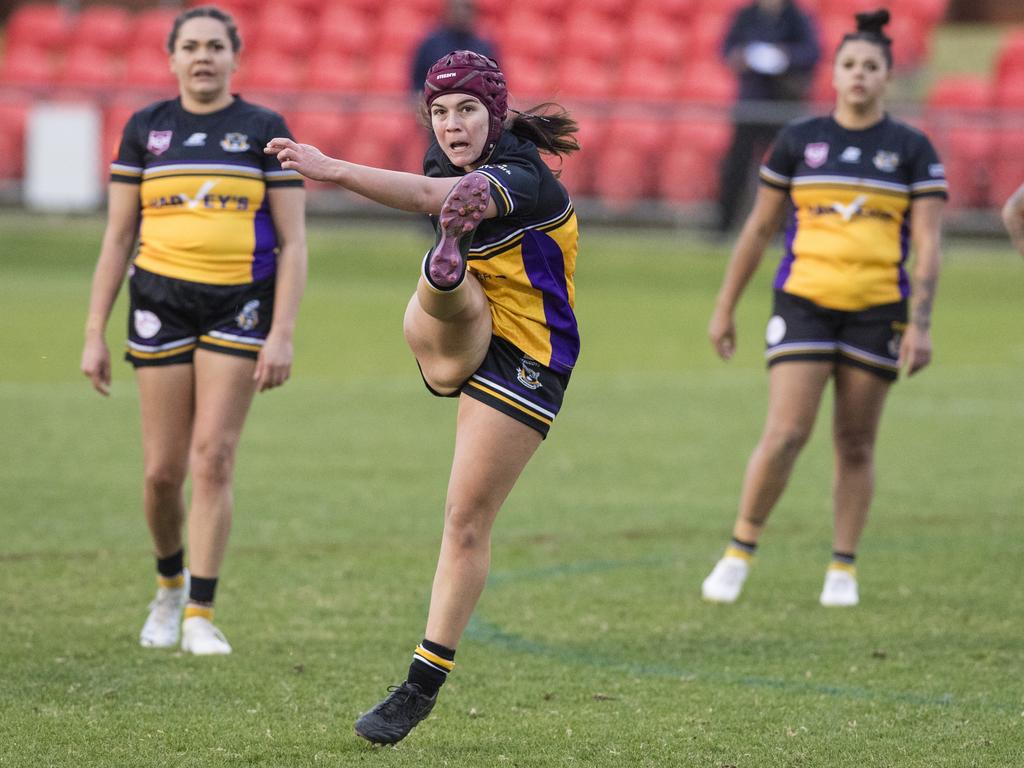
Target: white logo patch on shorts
(147, 325)
(527, 375)
(776, 330)
(249, 317)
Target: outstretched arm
(926, 235)
(761, 225)
(1013, 218)
(395, 189)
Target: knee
(213, 461)
(854, 448)
(465, 530)
(164, 479)
(786, 443)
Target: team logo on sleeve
(527, 374)
(937, 171)
(886, 161)
(234, 142)
(249, 317)
(159, 141)
(147, 325)
(816, 154)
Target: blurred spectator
(772, 45)
(454, 34)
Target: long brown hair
(547, 125)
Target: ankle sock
(171, 570)
(742, 549)
(431, 663)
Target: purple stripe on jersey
(904, 254)
(786, 265)
(264, 254)
(545, 267)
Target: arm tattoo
(924, 297)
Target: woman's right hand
(722, 332)
(96, 364)
(304, 158)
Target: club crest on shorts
(249, 317)
(159, 141)
(234, 142)
(147, 324)
(816, 154)
(775, 331)
(896, 340)
(527, 374)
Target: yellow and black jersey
(202, 190)
(525, 257)
(849, 235)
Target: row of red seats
(282, 29)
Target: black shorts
(169, 318)
(869, 338)
(514, 383)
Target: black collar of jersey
(884, 122)
(508, 144)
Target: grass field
(591, 646)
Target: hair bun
(873, 22)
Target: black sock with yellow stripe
(171, 570)
(431, 663)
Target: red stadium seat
(647, 80)
(151, 29)
(708, 83)
(280, 28)
(44, 25)
(324, 129)
(388, 72)
(1010, 59)
(657, 36)
(13, 117)
(115, 117)
(912, 44)
(577, 170)
(528, 78)
(145, 66)
(679, 10)
(1008, 169)
(583, 78)
(593, 36)
(345, 30)
(89, 67)
(550, 9)
(689, 169)
(28, 65)
(267, 72)
(930, 12)
(611, 10)
(961, 92)
(707, 35)
(847, 8)
(400, 29)
(335, 72)
(620, 181)
(103, 26)
(527, 33)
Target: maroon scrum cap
(476, 75)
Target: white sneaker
(724, 583)
(164, 620)
(840, 588)
(199, 636)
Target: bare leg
(448, 332)
(860, 397)
(491, 450)
(224, 391)
(794, 394)
(166, 401)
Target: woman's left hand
(304, 158)
(915, 349)
(274, 364)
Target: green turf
(591, 646)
